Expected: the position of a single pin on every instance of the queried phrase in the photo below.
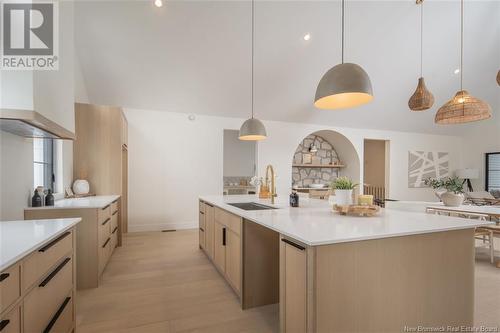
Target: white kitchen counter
(99, 201)
(314, 222)
(20, 238)
(487, 210)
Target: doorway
(239, 164)
(376, 169)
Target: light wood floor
(162, 282)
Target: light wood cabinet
(97, 235)
(37, 292)
(100, 154)
(222, 242)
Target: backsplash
(326, 154)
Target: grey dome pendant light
(463, 107)
(252, 129)
(345, 85)
(422, 99)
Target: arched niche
(333, 148)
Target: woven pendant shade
(463, 108)
(422, 99)
(498, 77)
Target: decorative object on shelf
(252, 129)
(454, 195)
(313, 149)
(357, 210)
(307, 159)
(345, 85)
(365, 200)
(49, 198)
(467, 174)
(344, 188)
(81, 186)
(36, 200)
(463, 107)
(422, 99)
(426, 164)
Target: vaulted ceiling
(194, 57)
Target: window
(43, 163)
(492, 171)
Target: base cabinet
(222, 242)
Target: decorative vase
(81, 186)
(452, 199)
(343, 197)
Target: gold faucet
(273, 182)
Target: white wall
(239, 156)
(173, 160)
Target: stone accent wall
(326, 154)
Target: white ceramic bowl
(317, 185)
(81, 186)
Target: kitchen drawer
(42, 260)
(202, 237)
(114, 207)
(202, 220)
(11, 322)
(103, 213)
(62, 321)
(104, 253)
(42, 303)
(104, 230)
(10, 286)
(232, 221)
(114, 221)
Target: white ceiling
(194, 57)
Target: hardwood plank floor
(162, 282)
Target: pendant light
(422, 99)
(252, 129)
(345, 85)
(463, 107)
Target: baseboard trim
(162, 226)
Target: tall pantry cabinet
(100, 153)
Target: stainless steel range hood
(31, 124)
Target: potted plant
(454, 195)
(343, 188)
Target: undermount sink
(250, 206)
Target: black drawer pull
(3, 276)
(54, 273)
(107, 220)
(116, 212)
(293, 244)
(56, 316)
(202, 229)
(224, 236)
(114, 230)
(3, 324)
(54, 242)
(202, 213)
(209, 205)
(106, 242)
(104, 208)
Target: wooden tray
(358, 210)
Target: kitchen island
(333, 273)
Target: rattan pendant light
(462, 108)
(252, 129)
(345, 85)
(422, 99)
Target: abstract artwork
(426, 164)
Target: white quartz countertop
(20, 238)
(315, 223)
(488, 210)
(99, 201)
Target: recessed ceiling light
(457, 71)
(158, 3)
(307, 36)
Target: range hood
(31, 124)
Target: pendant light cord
(343, 29)
(421, 38)
(461, 44)
(252, 52)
